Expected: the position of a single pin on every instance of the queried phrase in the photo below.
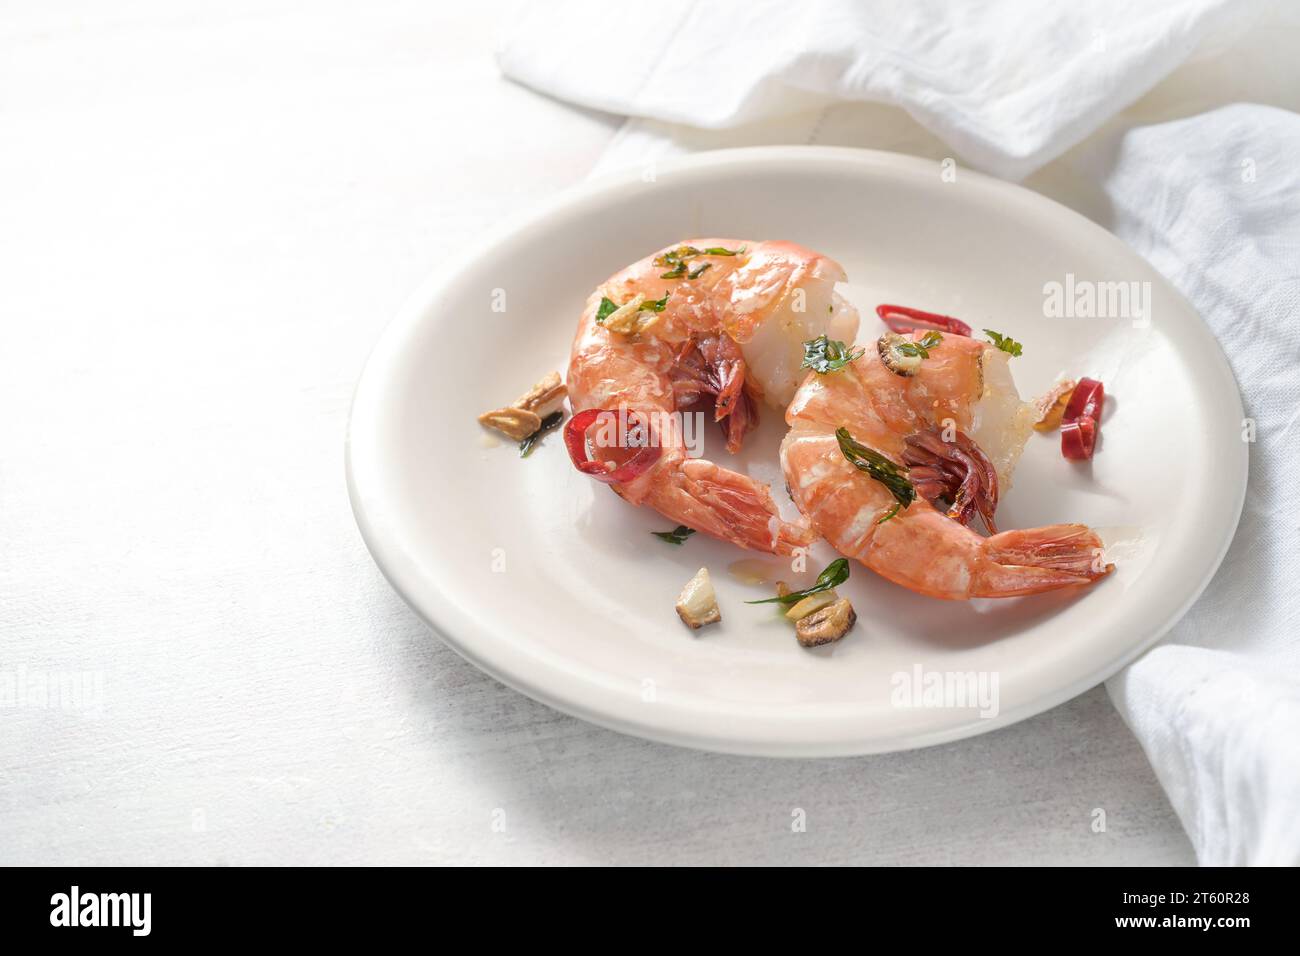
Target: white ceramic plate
(552, 584)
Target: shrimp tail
(727, 505)
(1033, 560)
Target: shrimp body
(721, 333)
(955, 429)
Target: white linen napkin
(1212, 199)
(1008, 84)
(1213, 202)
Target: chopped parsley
(836, 573)
(878, 467)
(824, 355)
(677, 536)
(607, 308)
(675, 259)
(1005, 342)
(920, 349)
(679, 270)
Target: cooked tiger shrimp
(707, 325)
(893, 456)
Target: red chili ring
(1079, 438)
(919, 320)
(575, 439)
(1086, 399)
(1081, 420)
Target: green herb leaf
(877, 466)
(1005, 342)
(654, 305)
(676, 272)
(892, 511)
(607, 308)
(824, 355)
(677, 536)
(674, 258)
(921, 348)
(549, 423)
(836, 573)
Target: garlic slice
(1050, 407)
(895, 359)
(544, 397)
(625, 319)
(518, 423)
(698, 605)
(523, 416)
(813, 602)
(826, 625)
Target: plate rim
(613, 714)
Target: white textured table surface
(207, 214)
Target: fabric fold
(1009, 84)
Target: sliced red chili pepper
(1079, 438)
(902, 320)
(1082, 420)
(1086, 399)
(575, 439)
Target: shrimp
(705, 326)
(892, 466)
